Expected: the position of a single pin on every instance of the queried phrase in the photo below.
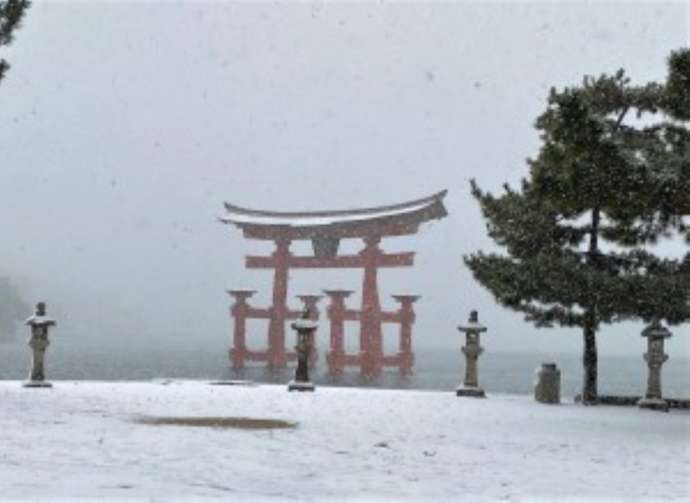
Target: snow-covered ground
(80, 440)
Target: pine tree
(611, 178)
(11, 14)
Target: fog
(125, 126)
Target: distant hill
(13, 309)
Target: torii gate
(325, 229)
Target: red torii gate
(325, 230)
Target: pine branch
(11, 14)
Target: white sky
(124, 126)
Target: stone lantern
(38, 342)
(655, 357)
(472, 350)
(305, 328)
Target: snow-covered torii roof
(396, 219)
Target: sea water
(499, 372)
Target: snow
(81, 440)
(472, 326)
(308, 221)
(239, 215)
(37, 319)
(302, 324)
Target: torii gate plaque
(325, 229)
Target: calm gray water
(434, 370)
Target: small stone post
(655, 357)
(547, 388)
(472, 350)
(305, 328)
(38, 342)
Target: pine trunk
(589, 361)
(589, 354)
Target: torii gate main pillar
(277, 357)
(370, 332)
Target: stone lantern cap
(656, 330)
(303, 323)
(472, 325)
(39, 317)
(39, 320)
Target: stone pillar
(655, 358)
(309, 303)
(38, 342)
(305, 328)
(547, 388)
(472, 349)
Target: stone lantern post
(305, 328)
(38, 342)
(472, 350)
(655, 357)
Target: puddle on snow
(242, 423)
